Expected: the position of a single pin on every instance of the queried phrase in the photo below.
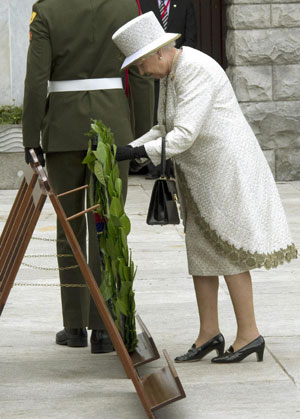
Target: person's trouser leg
(66, 172)
(95, 321)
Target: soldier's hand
(39, 153)
(130, 153)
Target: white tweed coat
(219, 163)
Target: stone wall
(14, 40)
(263, 52)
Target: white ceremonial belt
(85, 85)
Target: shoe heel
(77, 343)
(260, 355)
(220, 349)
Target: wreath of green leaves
(117, 270)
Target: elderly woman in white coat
(233, 217)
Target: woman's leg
(240, 289)
(206, 288)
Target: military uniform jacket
(70, 40)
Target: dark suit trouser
(66, 172)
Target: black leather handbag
(163, 208)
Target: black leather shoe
(75, 338)
(195, 354)
(257, 346)
(100, 342)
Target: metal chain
(43, 239)
(51, 285)
(49, 269)
(40, 268)
(48, 256)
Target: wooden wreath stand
(154, 390)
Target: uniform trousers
(66, 172)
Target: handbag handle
(163, 157)
(165, 165)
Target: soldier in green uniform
(71, 47)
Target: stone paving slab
(40, 379)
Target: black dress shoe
(100, 342)
(75, 338)
(257, 346)
(195, 354)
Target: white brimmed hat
(140, 37)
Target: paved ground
(39, 379)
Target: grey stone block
(249, 16)
(11, 170)
(251, 83)
(287, 82)
(287, 15)
(276, 125)
(14, 40)
(283, 1)
(248, 1)
(288, 164)
(11, 139)
(19, 34)
(270, 157)
(263, 46)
